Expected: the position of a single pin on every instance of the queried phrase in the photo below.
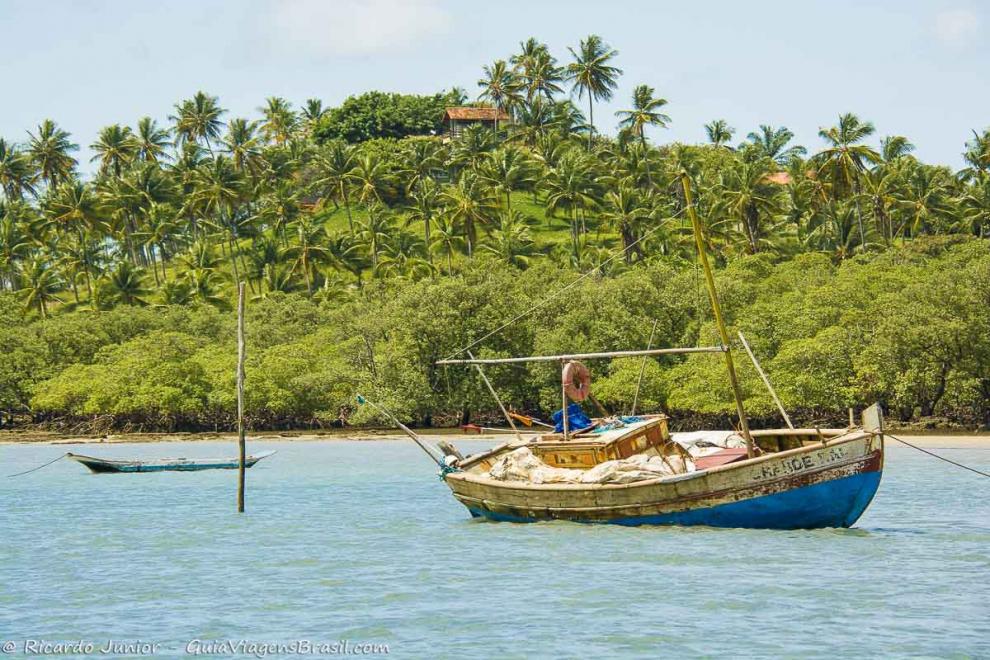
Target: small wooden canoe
(166, 464)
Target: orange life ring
(576, 380)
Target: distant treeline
(908, 327)
(372, 246)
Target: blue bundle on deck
(576, 419)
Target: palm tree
(347, 253)
(644, 112)
(370, 177)
(591, 74)
(748, 197)
(879, 185)
(471, 147)
(308, 250)
(773, 143)
(243, 146)
(205, 287)
(422, 158)
(467, 204)
(845, 158)
(447, 238)
(279, 207)
(219, 189)
(975, 209)
(567, 120)
(49, 151)
(16, 173)
(511, 242)
(625, 210)
(15, 245)
(424, 208)
(719, 132)
(312, 112)
(197, 119)
(977, 155)
(571, 186)
(926, 199)
(115, 149)
(280, 120)
(376, 231)
(893, 147)
(538, 70)
(125, 285)
(501, 87)
(334, 167)
(40, 285)
(74, 210)
(403, 255)
(508, 169)
(151, 141)
(161, 228)
(177, 292)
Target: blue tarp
(618, 424)
(576, 419)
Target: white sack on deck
(702, 443)
(522, 465)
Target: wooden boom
(589, 356)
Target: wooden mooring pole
(240, 398)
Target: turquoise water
(359, 541)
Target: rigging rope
(562, 289)
(941, 458)
(37, 468)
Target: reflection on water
(360, 541)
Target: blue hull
(836, 503)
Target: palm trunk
(347, 207)
(859, 216)
(154, 267)
(646, 159)
(233, 261)
(426, 231)
(591, 121)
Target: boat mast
(717, 311)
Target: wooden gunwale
(655, 501)
(521, 485)
(685, 499)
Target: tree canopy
(372, 245)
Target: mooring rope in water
(38, 468)
(941, 458)
(552, 296)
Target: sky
(912, 67)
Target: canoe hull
(811, 487)
(100, 465)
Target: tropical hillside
(373, 244)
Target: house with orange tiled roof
(456, 119)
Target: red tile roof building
(455, 120)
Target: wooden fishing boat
(166, 464)
(800, 479)
(629, 471)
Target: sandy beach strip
(960, 440)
